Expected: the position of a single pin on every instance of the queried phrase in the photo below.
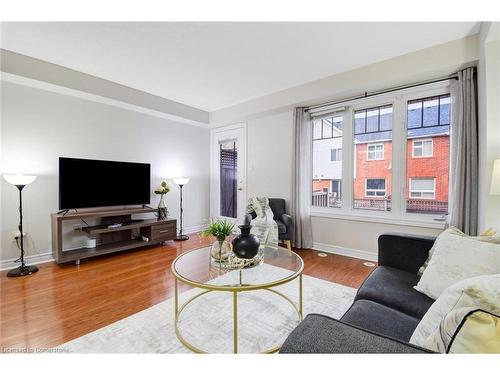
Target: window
(372, 141)
(336, 154)
(422, 188)
(356, 171)
(375, 152)
(422, 148)
(375, 187)
(327, 161)
(428, 136)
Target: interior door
(228, 172)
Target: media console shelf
(111, 240)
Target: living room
(250, 187)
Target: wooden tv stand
(111, 240)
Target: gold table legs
(178, 310)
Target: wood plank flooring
(62, 302)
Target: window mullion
(398, 185)
(349, 162)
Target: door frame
(214, 166)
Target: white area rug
(265, 320)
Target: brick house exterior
(427, 158)
(435, 166)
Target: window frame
(375, 151)
(336, 154)
(375, 190)
(422, 140)
(433, 191)
(398, 182)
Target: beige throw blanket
(263, 226)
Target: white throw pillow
(485, 238)
(457, 257)
(482, 292)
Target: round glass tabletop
(278, 267)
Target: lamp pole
(23, 269)
(181, 182)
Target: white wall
(38, 126)
(489, 122)
(270, 156)
(270, 138)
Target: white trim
(47, 257)
(375, 190)
(195, 228)
(336, 154)
(242, 167)
(354, 253)
(335, 213)
(20, 80)
(30, 259)
(422, 147)
(422, 191)
(375, 151)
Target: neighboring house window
(424, 188)
(422, 148)
(327, 148)
(375, 187)
(428, 134)
(337, 188)
(336, 154)
(375, 152)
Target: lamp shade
(495, 178)
(19, 179)
(181, 180)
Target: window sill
(380, 218)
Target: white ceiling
(216, 65)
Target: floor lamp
(181, 181)
(20, 181)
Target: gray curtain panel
(302, 179)
(464, 156)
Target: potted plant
(219, 229)
(161, 190)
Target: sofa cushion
(322, 334)
(456, 257)
(381, 319)
(394, 288)
(482, 292)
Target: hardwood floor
(63, 302)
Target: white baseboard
(47, 257)
(354, 253)
(30, 259)
(194, 229)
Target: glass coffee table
(195, 268)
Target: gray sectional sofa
(385, 312)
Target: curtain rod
(380, 92)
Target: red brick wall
(372, 169)
(319, 185)
(436, 166)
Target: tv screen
(98, 183)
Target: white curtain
(464, 158)
(302, 179)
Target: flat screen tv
(85, 183)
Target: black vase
(246, 245)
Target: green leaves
(163, 188)
(218, 228)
